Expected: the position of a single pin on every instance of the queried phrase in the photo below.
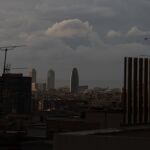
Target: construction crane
(19, 68)
(8, 68)
(5, 49)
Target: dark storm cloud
(65, 33)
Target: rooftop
(132, 131)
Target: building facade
(15, 93)
(136, 91)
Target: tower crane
(5, 49)
(8, 68)
(19, 68)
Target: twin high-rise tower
(51, 79)
(74, 81)
(33, 74)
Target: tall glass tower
(74, 85)
(51, 79)
(33, 75)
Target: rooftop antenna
(5, 49)
(7, 68)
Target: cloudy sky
(93, 36)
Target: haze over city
(62, 34)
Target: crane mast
(6, 49)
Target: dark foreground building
(15, 93)
(128, 138)
(136, 91)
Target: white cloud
(135, 31)
(113, 34)
(70, 28)
(132, 32)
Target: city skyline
(88, 35)
(59, 82)
(74, 74)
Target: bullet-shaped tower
(74, 85)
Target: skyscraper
(51, 79)
(33, 75)
(74, 85)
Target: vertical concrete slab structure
(140, 90)
(129, 91)
(125, 92)
(146, 90)
(135, 95)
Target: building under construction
(15, 93)
(136, 91)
